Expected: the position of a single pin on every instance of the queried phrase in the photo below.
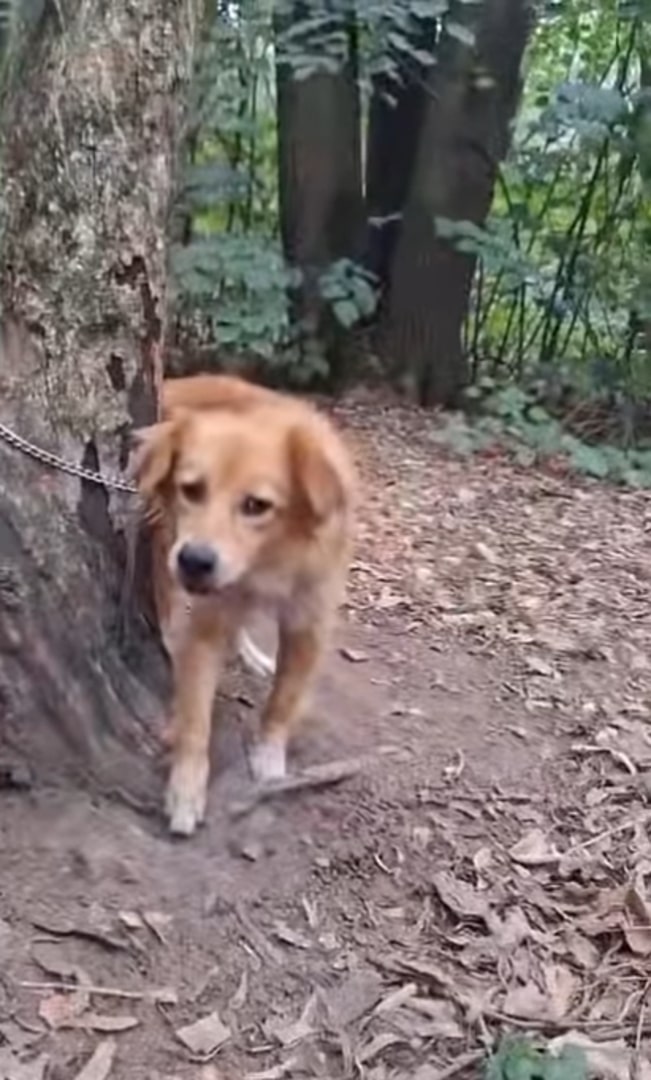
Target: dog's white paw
(269, 760)
(185, 799)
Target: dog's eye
(193, 491)
(252, 506)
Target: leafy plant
(519, 1059)
(350, 291)
(562, 281)
(230, 281)
(511, 417)
(238, 286)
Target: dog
(250, 496)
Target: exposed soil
(484, 871)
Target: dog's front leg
(299, 653)
(198, 659)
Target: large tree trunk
(473, 94)
(320, 185)
(397, 109)
(90, 133)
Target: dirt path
(494, 666)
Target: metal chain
(53, 461)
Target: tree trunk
(473, 94)
(90, 136)
(320, 187)
(396, 112)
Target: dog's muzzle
(197, 567)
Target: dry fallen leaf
(396, 998)
(346, 1003)
(132, 920)
(442, 1017)
(534, 849)
(537, 665)
(15, 1036)
(210, 1072)
(48, 957)
(582, 951)
(606, 1060)
(238, 999)
(276, 1072)
(377, 1045)
(482, 860)
(628, 742)
(204, 1036)
(561, 987)
(157, 922)
(460, 897)
(555, 641)
(99, 1022)
(354, 656)
(290, 1034)
(486, 552)
(512, 930)
(91, 927)
(637, 921)
(100, 1063)
(63, 1010)
(12, 1068)
(607, 914)
(527, 1002)
(288, 936)
(624, 909)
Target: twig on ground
(629, 823)
(463, 1062)
(316, 776)
(164, 995)
(257, 939)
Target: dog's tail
(259, 662)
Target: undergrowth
(513, 418)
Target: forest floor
(483, 872)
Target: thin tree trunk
(90, 134)
(320, 187)
(473, 94)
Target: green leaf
(518, 1059)
(590, 460)
(346, 312)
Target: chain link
(53, 461)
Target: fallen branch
(463, 1062)
(315, 776)
(164, 996)
(257, 939)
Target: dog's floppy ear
(153, 456)
(320, 484)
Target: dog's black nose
(197, 561)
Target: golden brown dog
(250, 494)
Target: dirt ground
(484, 871)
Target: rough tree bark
(90, 129)
(473, 94)
(320, 183)
(396, 112)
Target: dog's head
(239, 489)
